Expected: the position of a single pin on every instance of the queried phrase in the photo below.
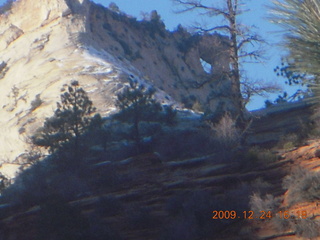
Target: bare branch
(192, 5)
(257, 88)
(250, 39)
(223, 27)
(253, 54)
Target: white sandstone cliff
(45, 44)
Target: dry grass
(302, 186)
(225, 131)
(267, 203)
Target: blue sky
(255, 17)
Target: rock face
(45, 44)
(273, 124)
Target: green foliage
(287, 70)
(4, 182)
(256, 157)
(187, 42)
(289, 141)
(268, 103)
(71, 119)
(137, 104)
(290, 73)
(114, 7)
(301, 21)
(169, 116)
(126, 48)
(154, 26)
(155, 16)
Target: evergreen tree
(137, 104)
(301, 22)
(70, 120)
(114, 7)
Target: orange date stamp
(260, 215)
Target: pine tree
(137, 104)
(301, 22)
(70, 120)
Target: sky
(256, 17)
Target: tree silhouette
(70, 120)
(137, 104)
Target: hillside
(169, 193)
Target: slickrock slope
(302, 163)
(45, 44)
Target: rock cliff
(45, 44)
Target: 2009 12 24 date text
(261, 215)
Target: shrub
(302, 186)
(114, 7)
(36, 103)
(3, 67)
(257, 157)
(268, 103)
(307, 228)
(30, 186)
(225, 132)
(261, 186)
(288, 145)
(126, 48)
(4, 182)
(268, 203)
(197, 106)
(169, 115)
(289, 141)
(188, 42)
(31, 156)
